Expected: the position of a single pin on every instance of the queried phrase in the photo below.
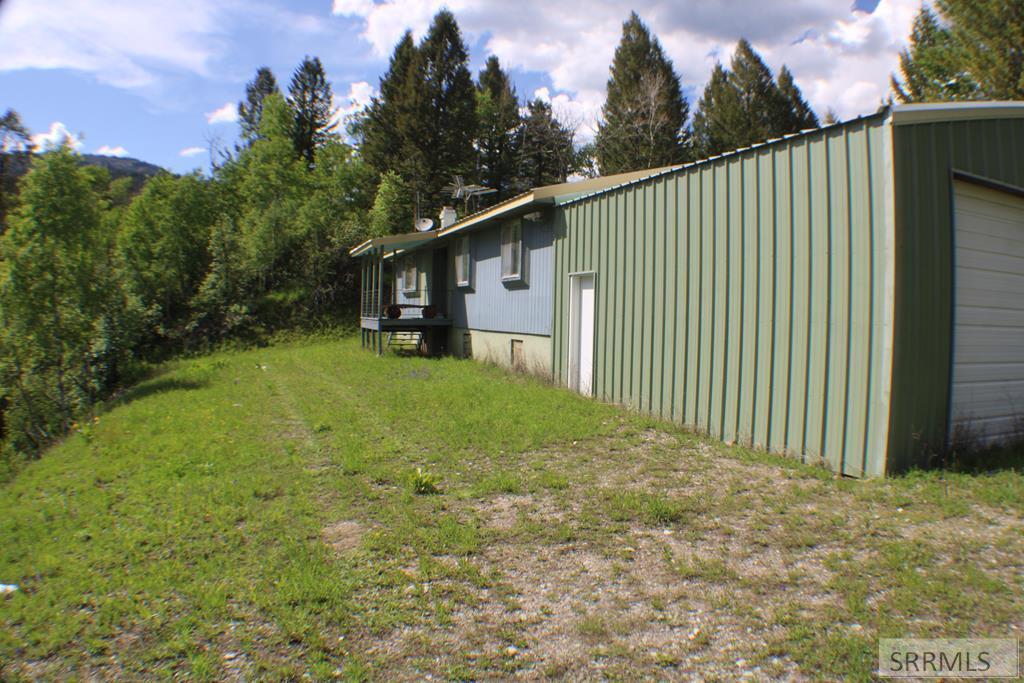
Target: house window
(512, 251)
(409, 275)
(462, 262)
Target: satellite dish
(424, 224)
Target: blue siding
(488, 303)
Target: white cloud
(55, 137)
(228, 113)
(350, 8)
(123, 42)
(107, 150)
(840, 57)
(191, 151)
(347, 106)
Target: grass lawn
(268, 514)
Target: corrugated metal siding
(490, 304)
(925, 156)
(742, 296)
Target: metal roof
(547, 194)
(931, 112)
(902, 114)
(393, 242)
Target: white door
(988, 334)
(581, 333)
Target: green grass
(188, 533)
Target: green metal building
(852, 295)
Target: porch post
(380, 297)
(362, 301)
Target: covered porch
(383, 321)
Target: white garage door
(988, 352)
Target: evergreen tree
(311, 101)
(928, 64)
(720, 122)
(645, 113)
(765, 112)
(498, 117)
(546, 153)
(744, 105)
(441, 124)
(969, 50)
(988, 44)
(251, 109)
(797, 114)
(15, 141)
(383, 131)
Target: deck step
(406, 340)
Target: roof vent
(448, 216)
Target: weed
(423, 483)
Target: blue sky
(145, 79)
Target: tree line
(96, 278)
(431, 121)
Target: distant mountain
(118, 167)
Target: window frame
(512, 235)
(463, 262)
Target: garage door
(988, 352)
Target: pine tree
(383, 131)
(15, 141)
(764, 108)
(439, 127)
(498, 119)
(311, 102)
(546, 153)
(927, 66)
(720, 122)
(798, 114)
(251, 109)
(744, 105)
(645, 113)
(987, 44)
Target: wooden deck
(390, 324)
